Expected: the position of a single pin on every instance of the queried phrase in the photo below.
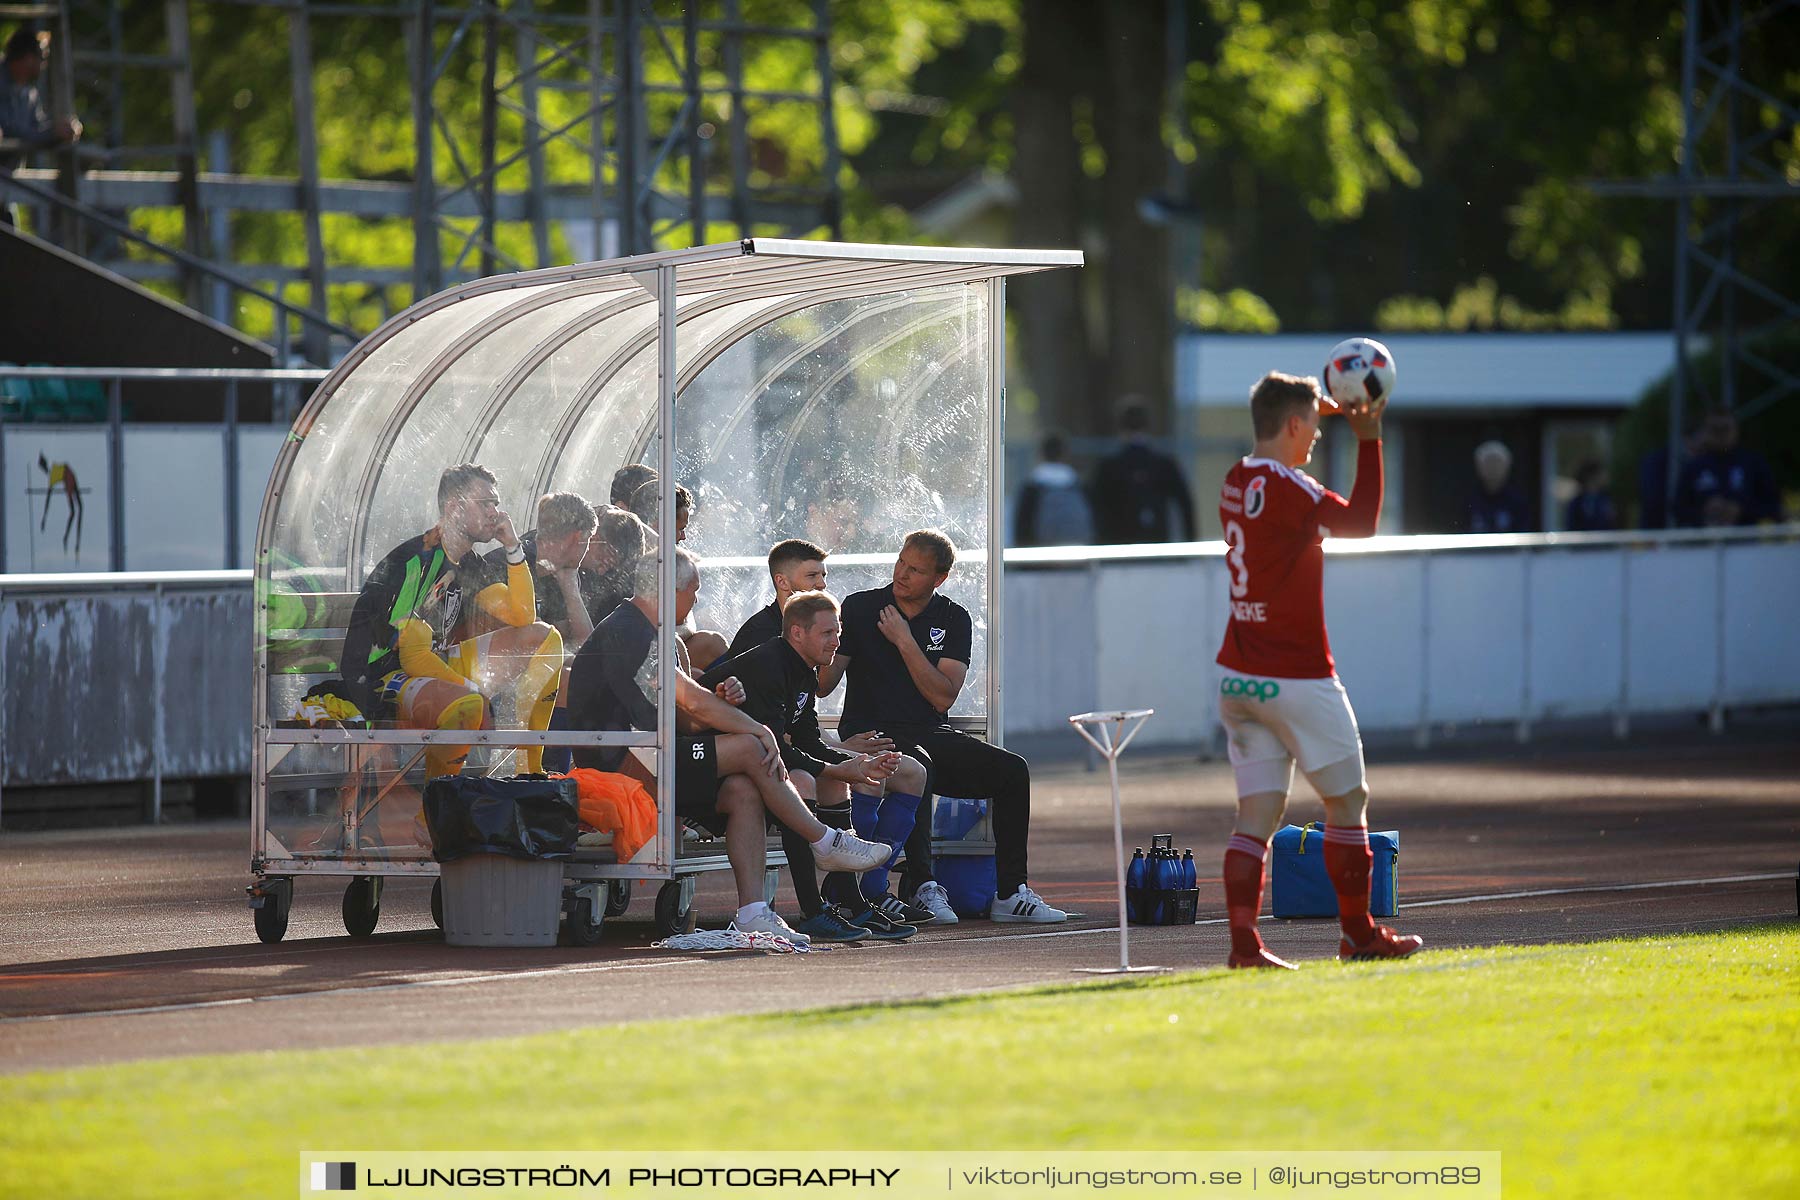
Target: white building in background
(1554, 398)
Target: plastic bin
(970, 881)
(495, 900)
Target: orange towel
(616, 804)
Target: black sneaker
(902, 913)
(882, 927)
(832, 925)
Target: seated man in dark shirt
(554, 550)
(619, 540)
(780, 683)
(906, 649)
(414, 639)
(794, 566)
(727, 777)
(704, 646)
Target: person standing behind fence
(1136, 488)
(1053, 508)
(1591, 509)
(1725, 483)
(1279, 699)
(1496, 506)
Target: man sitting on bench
(409, 642)
(728, 775)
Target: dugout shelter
(845, 393)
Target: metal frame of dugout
(840, 391)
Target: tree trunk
(1053, 334)
(1139, 322)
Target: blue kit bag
(1299, 886)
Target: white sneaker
(769, 921)
(935, 900)
(1025, 906)
(844, 851)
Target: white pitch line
(1572, 891)
(456, 981)
(1599, 887)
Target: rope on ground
(730, 939)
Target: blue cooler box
(1299, 886)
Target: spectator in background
(1725, 484)
(1653, 480)
(23, 118)
(1591, 509)
(1053, 509)
(24, 123)
(1135, 487)
(1496, 506)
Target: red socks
(1244, 891)
(1348, 861)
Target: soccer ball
(1359, 371)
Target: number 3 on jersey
(1240, 571)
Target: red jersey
(1274, 517)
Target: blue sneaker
(832, 925)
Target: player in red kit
(1280, 700)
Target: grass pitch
(1649, 1067)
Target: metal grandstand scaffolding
(1735, 124)
(601, 127)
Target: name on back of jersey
(1250, 610)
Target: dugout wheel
(437, 903)
(583, 919)
(618, 897)
(674, 909)
(270, 901)
(362, 905)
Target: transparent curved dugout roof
(550, 379)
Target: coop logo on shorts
(334, 1177)
(1250, 689)
(937, 639)
(1254, 497)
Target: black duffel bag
(520, 816)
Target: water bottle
(1165, 874)
(1134, 881)
(1189, 878)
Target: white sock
(751, 911)
(826, 840)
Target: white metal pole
(665, 605)
(1111, 744)
(1112, 766)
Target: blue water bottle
(1163, 874)
(1189, 879)
(1134, 882)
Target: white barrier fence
(1428, 632)
(119, 677)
